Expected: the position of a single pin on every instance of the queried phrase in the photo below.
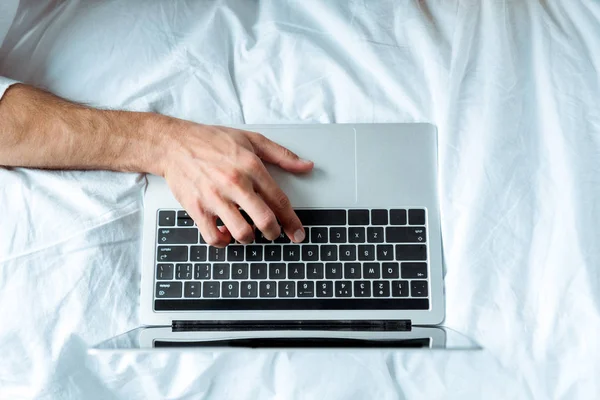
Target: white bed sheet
(514, 88)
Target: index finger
(280, 205)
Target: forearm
(40, 130)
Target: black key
(322, 217)
(306, 289)
(201, 271)
(259, 237)
(381, 289)
(358, 217)
(191, 289)
(198, 253)
(328, 252)
(239, 271)
(282, 238)
(314, 271)
(418, 288)
(352, 271)
(400, 288)
(396, 234)
(202, 241)
(168, 290)
(272, 253)
(291, 253)
(287, 289)
(254, 253)
(182, 214)
(185, 222)
(362, 289)
(268, 289)
(230, 289)
(183, 271)
(177, 236)
(356, 235)
(216, 254)
(379, 217)
(411, 252)
(416, 217)
(371, 270)
(296, 271)
(277, 271)
(343, 289)
(166, 218)
(211, 289)
(333, 271)
(164, 271)
(310, 253)
(249, 289)
(337, 234)
(390, 270)
(235, 253)
(318, 235)
(397, 217)
(324, 289)
(385, 252)
(221, 271)
(374, 234)
(258, 271)
(414, 270)
(347, 252)
(172, 253)
(366, 252)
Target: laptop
(368, 274)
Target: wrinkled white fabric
(513, 87)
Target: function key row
(307, 252)
(262, 271)
(287, 289)
(319, 217)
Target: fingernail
(306, 161)
(298, 236)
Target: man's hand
(214, 170)
(211, 170)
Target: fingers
(281, 206)
(235, 223)
(207, 224)
(273, 153)
(260, 213)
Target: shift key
(402, 234)
(172, 253)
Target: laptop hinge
(310, 325)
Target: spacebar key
(322, 217)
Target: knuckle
(254, 164)
(287, 153)
(235, 178)
(243, 232)
(281, 200)
(265, 220)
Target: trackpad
(332, 183)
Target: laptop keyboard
(350, 259)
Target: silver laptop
(370, 267)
